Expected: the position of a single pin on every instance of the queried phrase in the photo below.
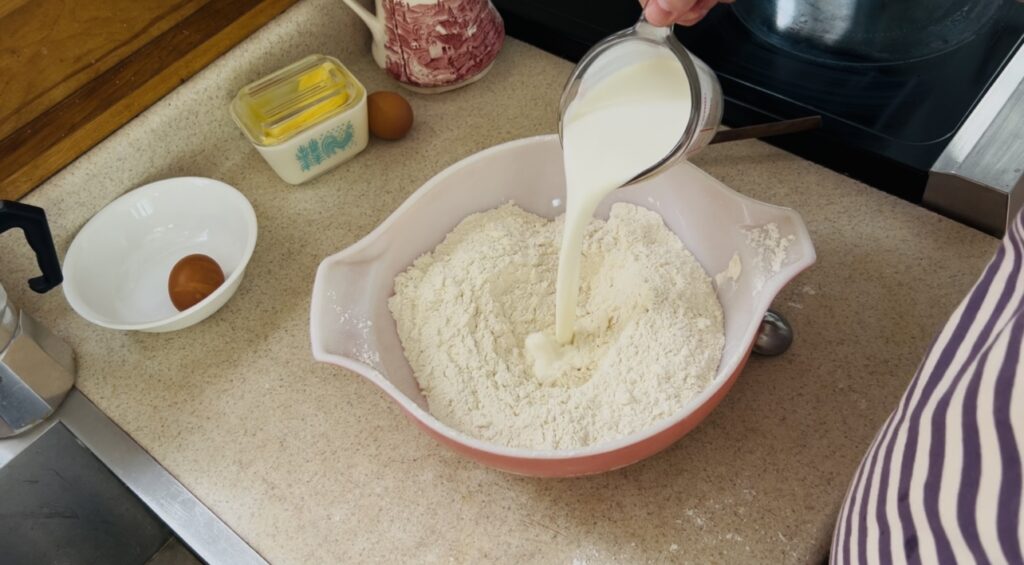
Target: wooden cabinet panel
(50, 48)
(73, 71)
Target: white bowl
(351, 325)
(116, 270)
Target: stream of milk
(613, 131)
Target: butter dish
(306, 118)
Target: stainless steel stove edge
(979, 178)
(188, 518)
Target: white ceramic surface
(116, 270)
(352, 327)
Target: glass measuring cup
(624, 48)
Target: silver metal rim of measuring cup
(643, 31)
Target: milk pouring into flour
(560, 334)
(613, 131)
(637, 102)
(620, 127)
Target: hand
(684, 12)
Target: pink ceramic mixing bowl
(352, 327)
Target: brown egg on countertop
(192, 279)
(390, 115)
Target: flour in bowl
(476, 319)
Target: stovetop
(886, 118)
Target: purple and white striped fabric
(941, 482)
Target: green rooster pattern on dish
(316, 151)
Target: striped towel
(941, 482)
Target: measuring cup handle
(651, 31)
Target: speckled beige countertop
(310, 464)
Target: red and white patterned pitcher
(434, 45)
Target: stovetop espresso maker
(37, 369)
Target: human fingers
(665, 12)
(697, 12)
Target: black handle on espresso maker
(32, 221)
